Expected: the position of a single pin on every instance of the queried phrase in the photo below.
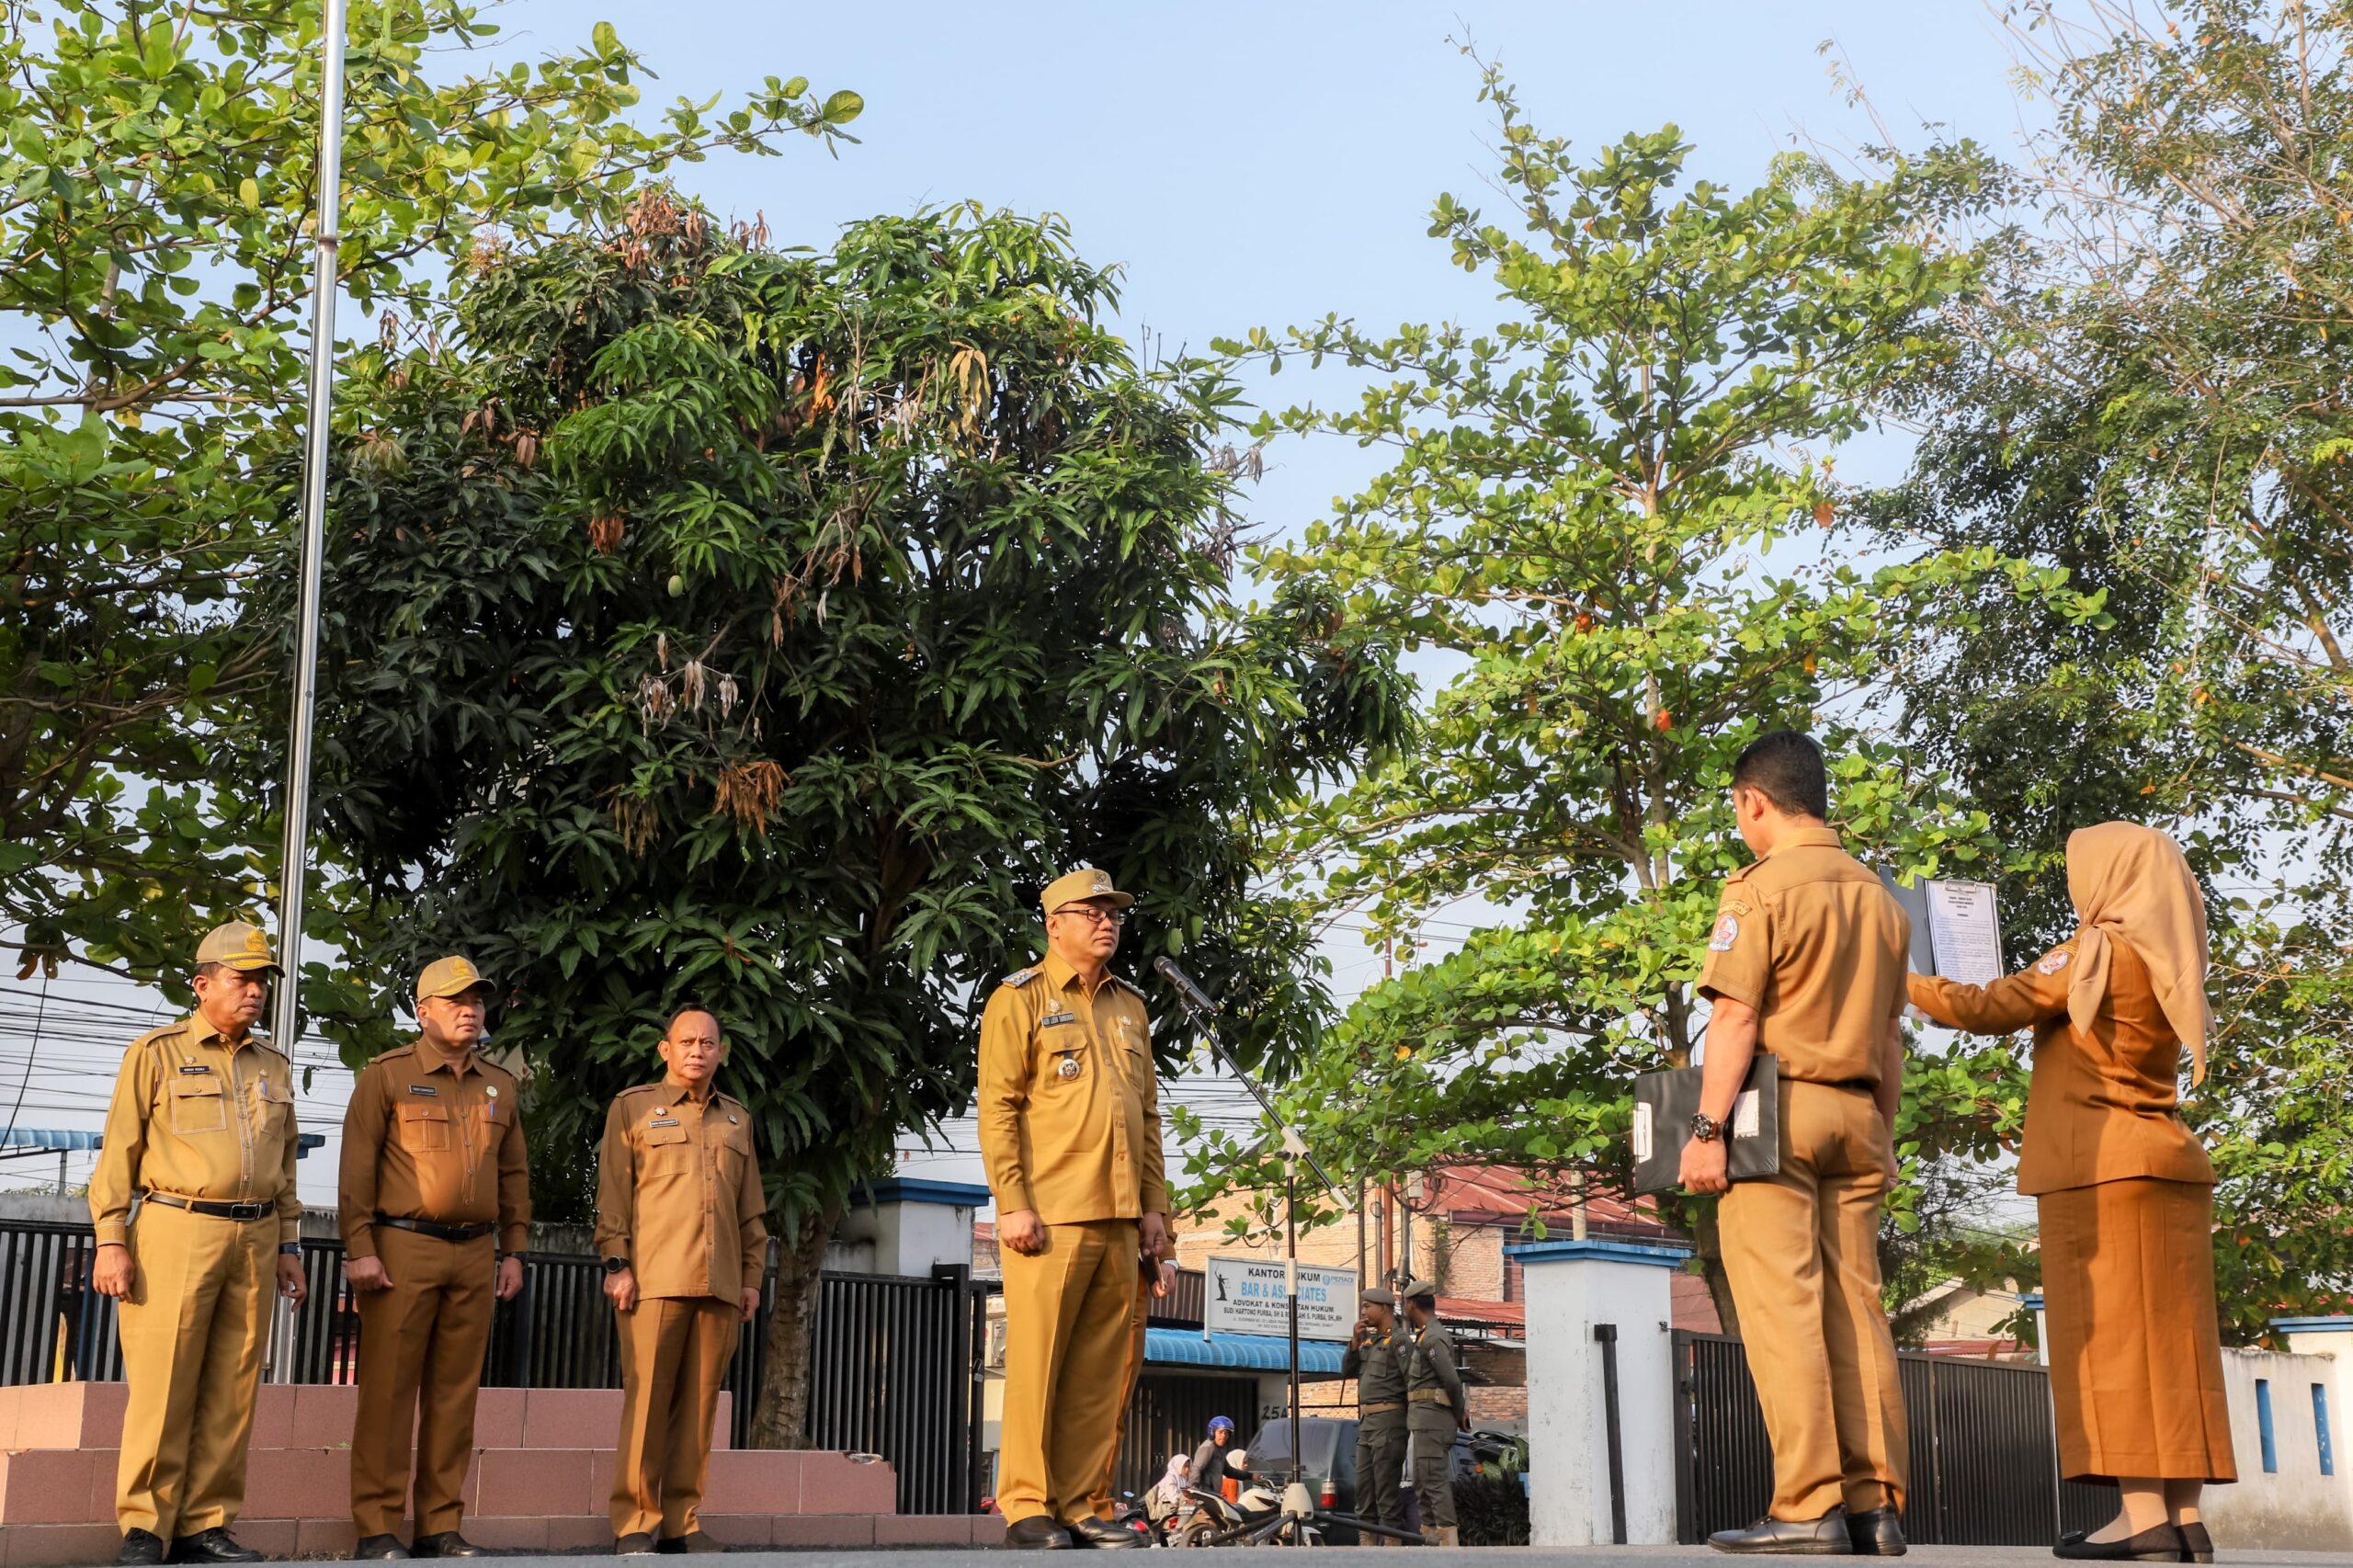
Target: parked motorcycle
(1253, 1518)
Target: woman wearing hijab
(2125, 1192)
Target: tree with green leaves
(765, 631)
(1596, 520)
(154, 262)
(2149, 397)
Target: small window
(2320, 1428)
(2263, 1425)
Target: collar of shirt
(1059, 974)
(434, 1060)
(678, 1094)
(200, 1030)
(1822, 837)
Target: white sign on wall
(1246, 1295)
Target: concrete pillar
(908, 1227)
(1573, 1288)
(2033, 1303)
(2330, 1340)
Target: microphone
(1195, 999)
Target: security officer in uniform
(1373, 1360)
(1435, 1408)
(1807, 961)
(434, 1189)
(679, 1227)
(1069, 1110)
(202, 1124)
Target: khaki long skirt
(2136, 1359)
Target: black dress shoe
(380, 1548)
(1877, 1532)
(215, 1545)
(639, 1543)
(446, 1543)
(1036, 1533)
(1824, 1537)
(2158, 1543)
(2196, 1544)
(693, 1541)
(1107, 1533)
(140, 1549)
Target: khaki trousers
(1434, 1473)
(1801, 1253)
(1101, 1502)
(1381, 1473)
(674, 1351)
(426, 1333)
(1068, 1323)
(192, 1330)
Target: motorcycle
(1253, 1518)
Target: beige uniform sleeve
(289, 1197)
(363, 1147)
(1003, 1097)
(2014, 1002)
(753, 1206)
(616, 1187)
(116, 1180)
(514, 1187)
(1154, 1197)
(1740, 949)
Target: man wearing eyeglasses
(1069, 1107)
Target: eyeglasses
(1095, 916)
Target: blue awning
(38, 1141)
(1257, 1352)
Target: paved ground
(1517, 1557)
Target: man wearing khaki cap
(1069, 1108)
(202, 1125)
(434, 1187)
(1375, 1359)
(679, 1225)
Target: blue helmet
(1221, 1424)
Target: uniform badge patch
(194, 1067)
(423, 1089)
(1726, 933)
(490, 1089)
(1067, 1067)
(664, 1121)
(1057, 1019)
(2052, 962)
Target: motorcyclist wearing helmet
(1210, 1468)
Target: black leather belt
(211, 1210)
(438, 1231)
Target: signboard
(1246, 1295)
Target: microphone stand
(1299, 1510)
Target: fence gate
(1984, 1457)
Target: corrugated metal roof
(48, 1141)
(1258, 1352)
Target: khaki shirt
(428, 1137)
(1069, 1098)
(1809, 938)
(2101, 1106)
(1372, 1358)
(1433, 1388)
(197, 1116)
(678, 1194)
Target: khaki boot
(1450, 1535)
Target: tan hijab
(2131, 885)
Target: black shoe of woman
(2159, 1543)
(2198, 1543)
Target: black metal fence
(1169, 1414)
(893, 1360)
(1985, 1457)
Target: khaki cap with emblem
(1421, 1290)
(1376, 1297)
(449, 977)
(1080, 886)
(237, 946)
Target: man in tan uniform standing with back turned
(678, 1224)
(1069, 1109)
(1806, 962)
(435, 1187)
(202, 1122)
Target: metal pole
(294, 856)
(1606, 1336)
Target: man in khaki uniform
(1435, 1408)
(1806, 961)
(202, 1124)
(1069, 1110)
(434, 1187)
(678, 1224)
(1375, 1358)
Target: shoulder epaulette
(1020, 977)
(152, 1036)
(1128, 986)
(631, 1093)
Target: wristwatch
(289, 1249)
(616, 1265)
(1704, 1128)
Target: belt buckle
(247, 1210)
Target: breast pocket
(1066, 1067)
(198, 1105)
(425, 1129)
(669, 1149)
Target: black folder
(1665, 1104)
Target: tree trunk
(782, 1419)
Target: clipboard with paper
(1956, 928)
(1665, 1104)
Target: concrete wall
(2295, 1508)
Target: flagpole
(294, 857)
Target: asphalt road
(1517, 1556)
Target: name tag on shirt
(194, 1067)
(659, 1122)
(1052, 1018)
(423, 1089)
